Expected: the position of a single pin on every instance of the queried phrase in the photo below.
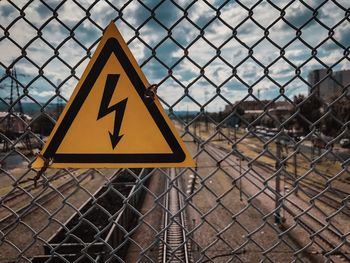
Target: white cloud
(41, 94)
(220, 35)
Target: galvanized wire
(255, 195)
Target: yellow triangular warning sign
(110, 122)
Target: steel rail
(175, 247)
(309, 189)
(324, 239)
(40, 200)
(27, 188)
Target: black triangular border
(113, 46)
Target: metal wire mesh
(257, 89)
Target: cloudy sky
(216, 50)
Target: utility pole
(235, 134)
(240, 180)
(187, 117)
(59, 105)
(295, 169)
(278, 183)
(13, 126)
(205, 113)
(195, 131)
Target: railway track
(299, 166)
(326, 241)
(40, 200)
(175, 248)
(330, 240)
(333, 198)
(24, 190)
(309, 189)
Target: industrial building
(327, 85)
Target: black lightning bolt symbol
(118, 108)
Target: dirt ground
(143, 243)
(228, 228)
(225, 228)
(24, 240)
(227, 224)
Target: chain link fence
(258, 90)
